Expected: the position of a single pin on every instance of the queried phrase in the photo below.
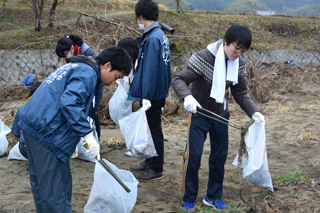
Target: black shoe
(149, 174)
(141, 167)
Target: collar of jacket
(213, 47)
(90, 61)
(147, 31)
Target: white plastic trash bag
(119, 105)
(15, 153)
(255, 168)
(4, 130)
(107, 195)
(81, 152)
(136, 132)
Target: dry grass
(114, 142)
(308, 135)
(13, 92)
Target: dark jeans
(154, 121)
(50, 178)
(198, 130)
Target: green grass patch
(290, 178)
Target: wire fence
(16, 64)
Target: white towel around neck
(221, 74)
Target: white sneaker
(128, 153)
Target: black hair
(34, 87)
(148, 9)
(65, 44)
(131, 45)
(118, 57)
(239, 34)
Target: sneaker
(188, 206)
(215, 203)
(128, 153)
(149, 174)
(140, 168)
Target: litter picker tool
(211, 115)
(114, 175)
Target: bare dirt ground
(292, 136)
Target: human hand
(93, 147)
(146, 104)
(190, 104)
(259, 116)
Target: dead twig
(106, 20)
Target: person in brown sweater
(211, 71)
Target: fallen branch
(107, 20)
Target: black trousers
(154, 121)
(198, 130)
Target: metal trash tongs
(217, 118)
(112, 173)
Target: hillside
(193, 30)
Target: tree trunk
(38, 25)
(52, 13)
(3, 9)
(37, 8)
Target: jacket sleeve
(182, 80)
(241, 95)
(90, 52)
(77, 94)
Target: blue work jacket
(152, 78)
(56, 114)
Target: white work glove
(259, 116)
(190, 104)
(93, 147)
(146, 104)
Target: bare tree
(53, 8)
(179, 6)
(3, 9)
(37, 8)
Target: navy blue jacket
(152, 78)
(56, 114)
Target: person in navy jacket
(151, 82)
(55, 118)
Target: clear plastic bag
(4, 130)
(136, 132)
(107, 195)
(15, 153)
(119, 105)
(255, 167)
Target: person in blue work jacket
(151, 82)
(55, 118)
